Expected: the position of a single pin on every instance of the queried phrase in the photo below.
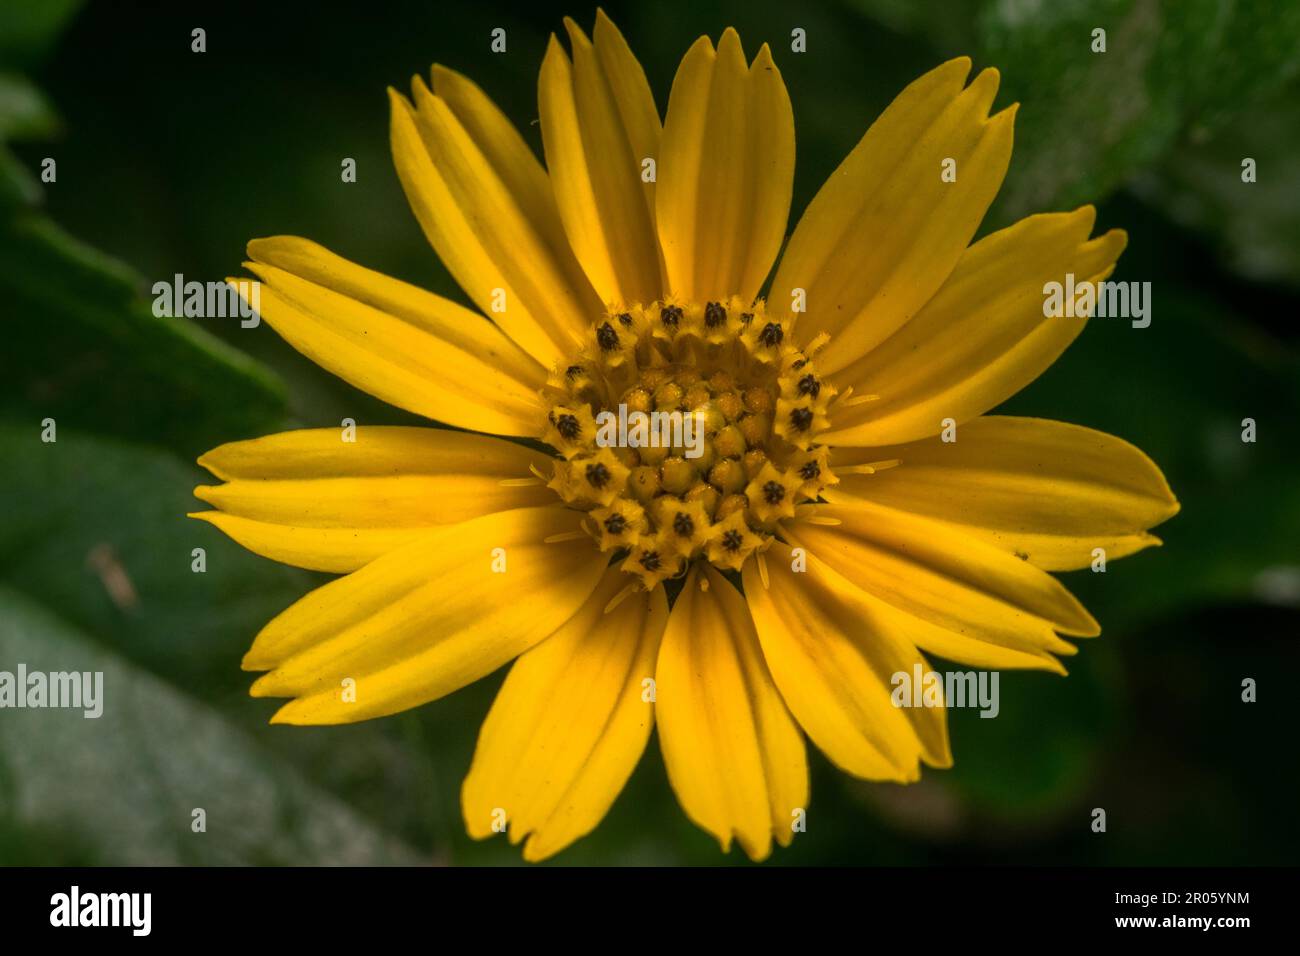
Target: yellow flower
(627, 272)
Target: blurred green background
(169, 161)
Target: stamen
(801, 418)
(847, 402)
(567, 426)
(819, 340)
(714, 315)
(772, 334)
(621, 596)
(564, 536)
(869, 468)
(670, 315)
(606, 338)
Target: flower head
(790, 480)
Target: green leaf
(1251, 225)
(84, 347)
(1089, 120)
(124, 786)
(24, 112)
(28, 30)
(18, 187)
(98, 529)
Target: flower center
(688, 430)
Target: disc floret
(688, 431)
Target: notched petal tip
(1120, 238)
(577, 36)
(262, 686)
(606, 29)
(207, 461)
(532, 853)
(419, 89)
(398, 101)
(441, 76)
(958, 66)
(254, 662)
(555, 56)
(703, 46)
(1086, 216)
(284, 715)
(763, 60)
(206, 493)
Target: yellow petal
(982, 338)
(834, 658)
(1046, 491)
(939, 574)
(311, 499)
(427, 619)
(885, 231)
(734, 755)
(501, 248)
(599, 123)
(337, 550)
(726, 172)
(569, 724)
(399, 343)
(505, 151)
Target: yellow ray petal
(406, 346)
(982, 338)
(311, 499)
(834, 658)
(569, 724)
(1047, 491)
(599, 123)
(939, 574)
(337, 550)
(881, 236)
(509, 157)
(726, 172)
(507, 261)
(733, 753)
(426, 619)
